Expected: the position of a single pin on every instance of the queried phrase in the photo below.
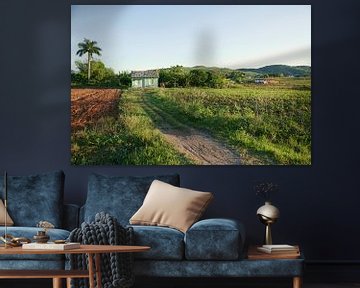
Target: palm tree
(89, 47)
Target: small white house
(143, 79)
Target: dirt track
(196, 145)
(201, 148)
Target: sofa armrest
(71, 216)
(215, 239)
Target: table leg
(297, 282)
(98, 270)
(57, 283)
(91, 270)
(68, 282)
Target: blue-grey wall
(318, 203)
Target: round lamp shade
(268, 212)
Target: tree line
(101, 76)
(179, 76)
(94, 73)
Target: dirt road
(197, 145)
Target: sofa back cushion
(120, 196)
(35, 198)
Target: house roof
(147, 73)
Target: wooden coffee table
(93, 251)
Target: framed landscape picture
(191, 85)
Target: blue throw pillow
(35, 198)
(120, 196)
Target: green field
(129, 138)
(265, 124)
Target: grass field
(265, 124)
(272, 123)
(126, 137)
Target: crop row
(89, 105)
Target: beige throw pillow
(9, 221)
(170, 206)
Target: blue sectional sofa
(210, 248)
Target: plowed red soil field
(89, 105)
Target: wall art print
(191, 85)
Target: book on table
(255, 254)
(51, 246)
(278, 249)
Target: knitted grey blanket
(116, 268)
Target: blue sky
(141, 37)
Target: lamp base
(268, 237)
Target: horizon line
(219, 67)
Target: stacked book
(273, 252)
(51, 246)
(279, 249)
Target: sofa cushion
(119, 196)
(35, 198)
(170, 206)
(29, 232)
(214, 239)
(9, 221)
(165, 243)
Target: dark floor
(253, 283)
(339, 285)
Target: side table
(289, 259)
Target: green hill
(285, 70)
(221, 70)
(271, 70)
